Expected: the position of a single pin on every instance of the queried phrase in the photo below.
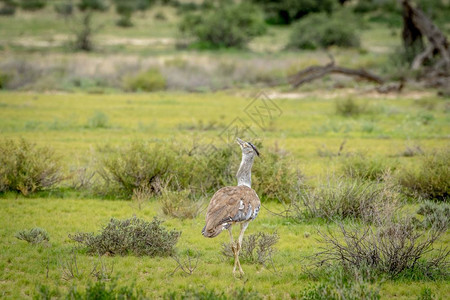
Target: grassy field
(308, 123)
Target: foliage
(130, 236)
(148, 81)
(286, 11)
(64, 8)
(34, 235)
(32, 4)
(436, 215)
(4, 78)
(431, 180)
(322, 31)
(340, 199)
(126, 8)
(92, 5)
(180, 204)
(340, 286)
(348, 107)
(8, 7)
(212, 294)
(394, 248)
(98, 120)
(102, 290)
(256, 248)
(365, 168)
(27, 168)
(225, 25)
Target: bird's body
(234, 204)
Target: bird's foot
(238, 274)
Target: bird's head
(248, 149)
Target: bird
(232, 205)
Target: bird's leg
(233, 248)
(239, 244)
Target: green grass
(305, 125)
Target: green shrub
(365, 168)
(138, 165)
(98, 120)
(426, 294)
(286, 11)
(349, 107)
(321, 31)
(431, 179)
(26, 168)
(64, 8)
(4, 78)
(130, 236)
(341, 199)
(225, 25)
(435, 215)
(149, 81)
(32, 4)
(256, 248)
(33, 236)
(8, 8)
(212, 294)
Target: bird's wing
(228, 205)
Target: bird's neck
(244, 174)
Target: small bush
(431, 180)
(64, 9)
(26, 168)
(102, 290)
(338, 286)
(362, 167)
(436, 215)
(341, 199)
(33, 236)
(227, 25)
(98, 120)
(32, 4)
(8, 8)
(130, 236)
(321, 31)
(179, 204)
(4, 78)
(426, 294)
(149, 81)
(393, 249)
(256, 248)
(349, 108)
(212, 294)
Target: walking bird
(235, 204)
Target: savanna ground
(79, 117)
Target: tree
(126, 8)
(7, 8)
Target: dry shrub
(27, 168)
(392, 249)
(180, 204)
(34, 235)
(141, 195)
(130, 236)
(149, 81)
(343, 198)
(256, 248)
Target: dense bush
(286, 11)
(321, 31)
(365, 168)
(431, 178)
(148, 81)
(7, 8)
(392, 249)
(32, 4)
(130, 236)
(33, 236)
(354, 198)
(225, 25)
(64, 8)
(256, 248)
(26, 168)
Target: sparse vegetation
(130, 236)
(366, 168)
(149, 81)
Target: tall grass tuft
(365, 168)
(27, 168)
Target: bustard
(234, 204)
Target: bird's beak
(240, 142)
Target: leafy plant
(27, 168)
(130, 236)
(321, 31)
(33, 236)
(149, 81)
(226, 24)
(32, 5)
(436, 215)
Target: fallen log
(315, 72)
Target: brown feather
(230, 205)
